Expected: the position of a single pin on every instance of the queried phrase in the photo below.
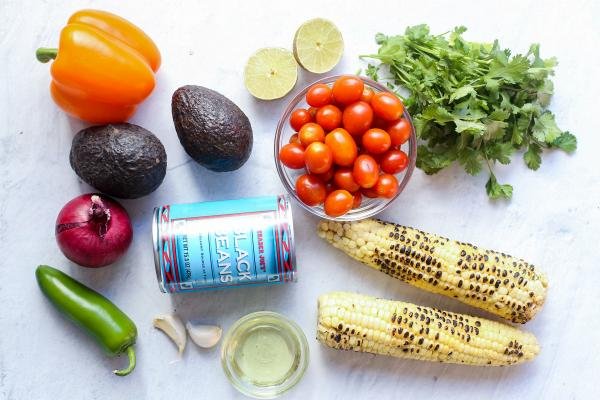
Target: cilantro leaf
(500, 152)
(438, 114)
(517, 135)
(531, 109)
(432, 162)
(520, 129)
(532, 156)
(495, 129)
(420, 125)
(474, 128)
(417, 32)
(512, 71)
(534, 50)
(492, 86)
(462, 91)
(470, 159)
(566, 142)
(545, 129)
(544, 93)
(499, 115)
(496, 190)
(371, 72)
(380, 38)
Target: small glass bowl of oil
(264, 354)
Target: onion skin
(93, 230)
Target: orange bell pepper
(104, 67)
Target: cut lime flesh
(318, 45)
(271, 73)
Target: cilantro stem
(487, 161)
(375, 56)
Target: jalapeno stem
(131, 366)
(45, 54)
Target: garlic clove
(204, 335)
(172, 326)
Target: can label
(221, 244)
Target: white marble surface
(553, 219)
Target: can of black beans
(223, 244)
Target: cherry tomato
(292, 155)
(318, 95)
(387, 105)
(313, 112)
(376, 157)
(348, 89)
(357, 117)
(344, 180)
(386, 186)
(399, 131)
(365, 171)
(310, 133)
(318, 158)
(329, 187)
(379, 122)
(357, 200)
(342, 145)
(329, 117)
(376, 141)
(294, 139)
(338, 202)
(394, 161)
(367, 95)
(310, 189)
(370, 193)
(326, 176)
(300, 117)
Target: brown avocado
(211, 128)
(122, 160)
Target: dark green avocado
(122, 160)
(211, 128)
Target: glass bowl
(264, 354)
(369, 206)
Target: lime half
(318, 45)
(271, 73)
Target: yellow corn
(350, 321)
(496, 282)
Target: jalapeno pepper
(97, 315)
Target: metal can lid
(156, 247)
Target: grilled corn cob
(350, 321)
(496, 282)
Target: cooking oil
(264, 354)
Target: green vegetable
(472, 102)
(100, 318)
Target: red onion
(93, 230)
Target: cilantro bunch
(472, 102)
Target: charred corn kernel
(406, 330)
(493, 281)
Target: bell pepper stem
(45, 54)
(131, 366)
